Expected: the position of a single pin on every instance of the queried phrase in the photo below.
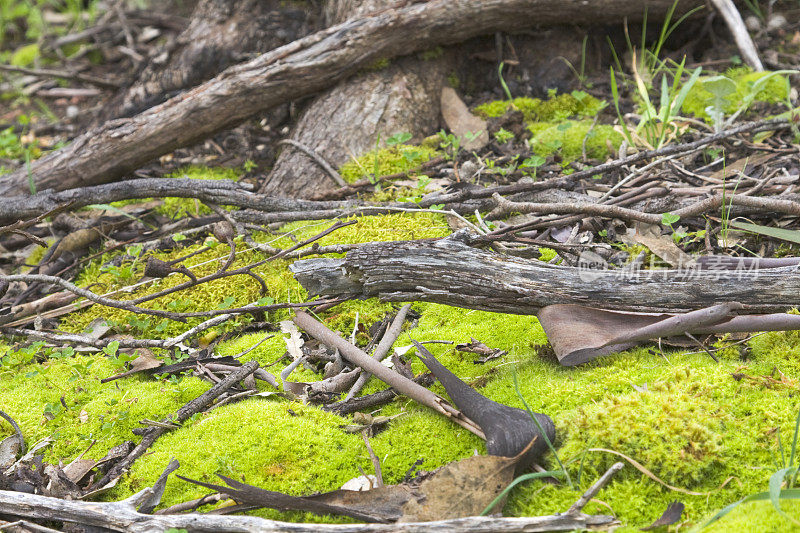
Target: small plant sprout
(786, 474)
(534, 162)
(503, 136)
(503, 82)
(398, 138)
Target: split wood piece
(197, 405)
(123, 516)
(450, 271)
(402, 384)
(737, 27)
(380, 353)
(509, 431)
(296, 70)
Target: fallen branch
(450, 271)
(293, 71)
(122, 516)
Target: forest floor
(703, 425)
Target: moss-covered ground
(712, 431)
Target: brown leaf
(461, 122)
(662, 245)
(462, 488)
(670, 516)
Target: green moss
(546, 254)
(567, 138)
(772, 91)
(433, 53)
(554, 109)
(758, 516)
(65, 400)
(690, 421)
(378, 64)
(278, 445)
(398, 158)
(453, 80)
(25, 56)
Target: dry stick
(223, 192)
(335, 176)
(376, 463)
(17, 430)
(184, 413)
(592, 491)
(505, 206)
(740, 34)
(370, 401)
(380, 353)
(123, 343)
(404, 385)
(239, 271)
(123, 516)
(51, 73)
(126, 305)
(566, 181)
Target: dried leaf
(671, 515)
(461, 122)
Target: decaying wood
(346, 119)
(298, 69)
(450, 271)
(122, 516)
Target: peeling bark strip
(299, 69)
(449, 271)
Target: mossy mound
(775, 89)
(383, 161)
(569, 137)
(554, 109)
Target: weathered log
(450, 271)
(299, 69)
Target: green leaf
(668, 219)
(533, 161)
(226, 303)
(398, 138)
(775, 482)
(776, 233)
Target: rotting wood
(450, 271)
(122, 516)
(298, 69)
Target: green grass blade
(776, 233)
(517, 481)
(794, 440)
(615, 96)
(775, 483)
(541, 429)
(787, 494)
